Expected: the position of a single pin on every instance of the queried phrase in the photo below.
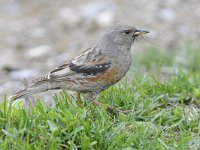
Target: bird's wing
(91, 62)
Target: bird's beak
(140, 32)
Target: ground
(164, 112)
(161, 90)
(37, 36)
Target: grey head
(122, 35)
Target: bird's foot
(110, 108)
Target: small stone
(39, 51)
(70, 16)
(185, 30)
(23, 74)
(167, 14)
(101, 13)
(38, 32)
(10, 87)
(198, 12)
(55, 60)
(105, 18)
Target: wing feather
(91, 62)
(88, 69)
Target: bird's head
(123, 34)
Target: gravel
(36, 36)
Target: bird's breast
(122, 62)
(110, 76)
(102, 80)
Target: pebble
(198, 12)
(23, 74)
(54, 61)
(70, 16)
(38, 32)
(98, 12)
(39, 51)
(167, 14)
(184, 30)
(10, 7)
(8, 60)
(105, 18)
(10, 87)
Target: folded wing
(89, 63)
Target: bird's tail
(36, 88)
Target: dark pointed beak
(140, 32)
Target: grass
(164, 113)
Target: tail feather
(30, 90)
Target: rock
(167, 14)
(10, 87)
(70, 16)
(184, 30)
(23, 74)
(105, 18)
(56, 60)
(39, 51)
(38, 32)
(198, 12)
(10, 7)
(9, 59)
(99, 12)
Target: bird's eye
(127, 32)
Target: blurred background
(37, 36)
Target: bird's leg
(92, 97)
(109, 108)
(78, 96)
(79, 99)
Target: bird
(97, 68)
